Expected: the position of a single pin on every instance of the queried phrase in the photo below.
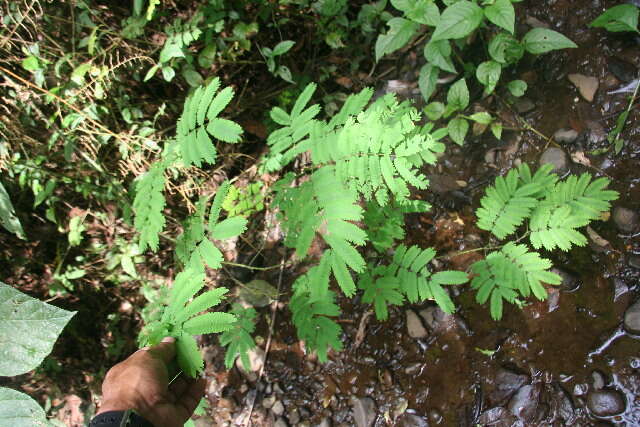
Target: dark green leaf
(458, 128)
(542, 40)
(623, 17)
(400, 32)
(458, 20)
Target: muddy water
(553, 353)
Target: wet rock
(277, 408)
(604, 403)
(492, 416)
(524, 403)
(435, 417)
(565, 136)
(624, 71)
(562, 405)
(598, 380)
(507, 383)
(364, 411)
(414, 325)
(558, 158)
(587, 85)
(625, 219)
(436, 319)
(524, 105)
(634, 261)
(569, 282)
(632, 318)
(620, 289)
(412, 420)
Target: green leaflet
(542, 40)
(199, 122)
(238, 339)
(30, 326)
(8, 218)
(400, 32)
(510, 273)
(148, 206)
(312, 317)
(408, 276)
(458, 20)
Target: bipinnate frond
(148, 206)
(588, 199)
(312, 317)
(323, 206)
(556, 227)
(238, 339)
(510, 273)
(408, 275)
(506, 204)
(199, 122)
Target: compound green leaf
(542, 40)
(400, 32)
(19, 410)
(28, 330)
(458, 20)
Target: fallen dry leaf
(579, 157)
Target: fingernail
(168, 339)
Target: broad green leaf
(502, 14)
(438, 53)
(168, 73)
(517, 87)
(488, 73)
(8, 218)
(152, 71)
(170, 51)
(428, 80)
(623, 17)
(542, 40)
(481, 117)
(400, 32)
(422, 11)
(192, 77)
(458, 20)
(458, 128)
(30, 63)
(285, 74)
(283, 47)
(458, 95)
(496, 129)
(505, 49)
(28, 329)
(434, 110)
(19, 410)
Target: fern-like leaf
(385, 224)
(209, 323)
(312, 318)
(588, 199)
(510, 273)
(199, 122)
(553, 228)
(409, 274)
(238, 339)
(507, 204)
(148, 206)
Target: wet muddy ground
(566, 361)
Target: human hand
(141, 383)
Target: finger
(165, 351)
(188, 402)
(178, 387)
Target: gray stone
(412, 420)
(364, 411)
(598, 380)
(268, 402)
(558, 158)
(569, 282)
(414, 325)
(586, 85)
(632, 318)
(565, 136)
(605, 403)
(277, 408)
(524, 403)
(524, 105)
(634, 261)
(507, 383)
(280, 422)
(625, 219)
